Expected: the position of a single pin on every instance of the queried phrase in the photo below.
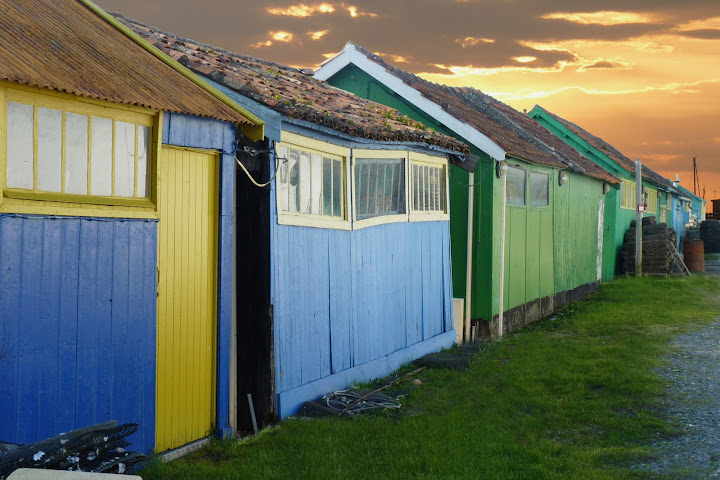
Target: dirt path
(692, 378)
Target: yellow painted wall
(187, 279)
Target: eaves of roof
(293, 93)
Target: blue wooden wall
(344, 299)
(191, 131)
(78, 312)
(77, 318)
(679, 219)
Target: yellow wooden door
(187, 278)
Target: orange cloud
(266, 43)
(662, 158)
(606, 18)
(317, 35)
(285, 37)
(675, 87)
(354, 12)
(277, 36)
(472, 41)
(705, 24)
(301, 10)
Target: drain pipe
(502, 169)
(469, 264)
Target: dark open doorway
(255, 364)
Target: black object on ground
(97, 448)
(458, 360)
(710, 234)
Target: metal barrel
(694, 252)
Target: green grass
(570, 397)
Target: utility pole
(638, 218)
(696, 181)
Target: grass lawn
(570, 397)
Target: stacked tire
(710, 234)
(657, 248)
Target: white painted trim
(350, 55)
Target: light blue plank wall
(191, 131)
(352, 305)
(77, 319)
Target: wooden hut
(621, 202)
(116, 231)
(345, 274)
(526, 224)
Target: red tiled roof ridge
(292, 93)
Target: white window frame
(312, 146)
(348, 156)
(380, 219)
(422, 159)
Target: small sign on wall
(641, 208)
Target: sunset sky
(646, 79)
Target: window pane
(337, 189)
(124, 159)
(76, 153)
(316, 184)
(101, 157)
(327, 186)
(282, 178)
(379, 187)
(539, 189)
(427, 194)
(293, 181)
(20, 146)
(416, 187)
(49, 153)
(443, 192)
(515, 185)
(305, 182)
(143, 163)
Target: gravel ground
(692, 378)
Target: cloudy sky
(642, 74)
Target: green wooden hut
(621, 202)
(527, 224)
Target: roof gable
(293, 93)
(490, 125)
(71, 46)
(359, 57)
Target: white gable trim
(351, 55)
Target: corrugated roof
(63, 45)
(293, 93)
(515, 132)
(537, 135)
(610, 151)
